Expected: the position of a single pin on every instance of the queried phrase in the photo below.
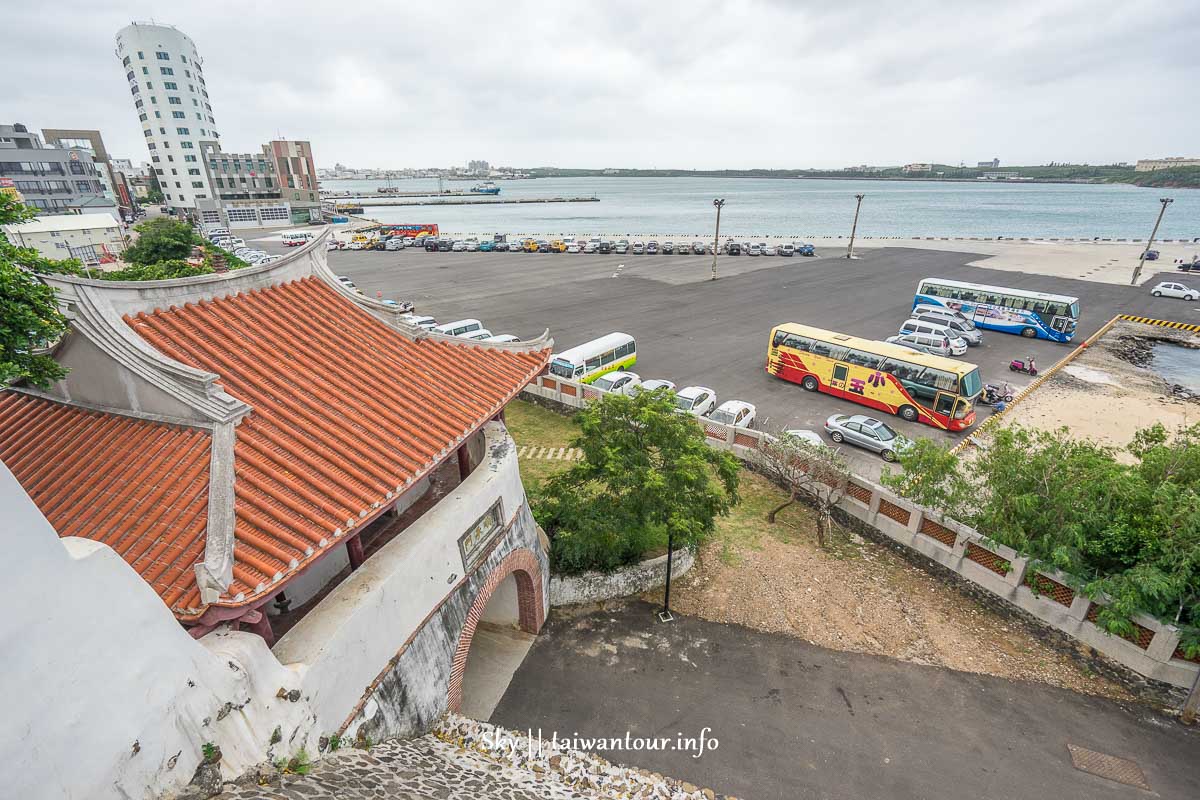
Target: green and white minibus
(592, 359)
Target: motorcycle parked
(994, 393)
(1028, 366)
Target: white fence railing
(1153, 651)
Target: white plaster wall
(102, 693)
(343, 643)
(589, 587)
(502, 607)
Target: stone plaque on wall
(476, 542)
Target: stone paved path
(409, 769)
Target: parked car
(431, 244)
(419, 321)
(733, 249)
(683, 249)
(622, 247)
(806, 248)
(651, 248)
(355, 246)
(574, 247)
(344, 280)
(1169, 289)
(699, 248)
(638, 248)
(924, 343)
(1152, 255)
(746, 248)
(393, 244)
(486, 247)
(766, 249)
(332, 244)
(737, 413)
(934, 330)
(500, 247)
(699, 401)
(668, 248)
(620, 382)
(595, 241)
(805, 435)
(503, 337)
(867, 433)
(787, 249)
(478, 336)
(754, 250)
(445, 245)
(956, 322)
(651, 385)
(461, 247)
(590, 247)
(233, 243)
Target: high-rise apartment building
(166, 81)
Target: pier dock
(453, 200)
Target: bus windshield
(563, 369)
(972, 384)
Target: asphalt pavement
(692, 330)
(795, 721)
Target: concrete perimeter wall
(590, 587)
(1149, 662)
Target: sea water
(803, 207)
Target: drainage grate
(1121, 770)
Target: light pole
(854, 228)
(1137, 272)
(665, 615)
(719, 203)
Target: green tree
(806, 471)
(1126, 531)
(156, 272)
(161, 239)
(29, 315)
(647, 476)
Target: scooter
(994, 393)
(1028, 366)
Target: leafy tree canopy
(1125, 525)
(29, 315)
(646, 475)
(161, 239)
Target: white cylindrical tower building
(166, 80)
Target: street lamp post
(1137, 272)
(665, 615)
(719, 203)
(854, 228)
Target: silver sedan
(867, 433)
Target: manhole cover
(1121, 770)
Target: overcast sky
(695, 84)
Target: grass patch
(531, 425)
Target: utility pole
(719, 203)
(1137, 273)
(665, 614)
(854, 229)
(1192, 705)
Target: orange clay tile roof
(347, 412)
(140, 487)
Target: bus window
(593, 363)
(608, 358)
(821, 348)
(861, 358)
(945, 404)
(801, 343)
(780, 336)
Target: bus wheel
(908, 412)
(811, 383)
(1028, 333)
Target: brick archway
(523, 565)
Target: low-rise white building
(1152, 164)
(92, 238)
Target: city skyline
(755, 85)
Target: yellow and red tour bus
(918, 387)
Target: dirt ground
(1103, 396)
(857, 596)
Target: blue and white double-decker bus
(1031, 314)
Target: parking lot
(692, 330)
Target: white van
(297, 238)
(478, 336)
(419, 321)
(460, 327)
(958, 345)
(956, 322)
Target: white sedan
(619, 382)
(1170, 289)
(737, 413)
(655, 383)
(699, 401)
(807, 436)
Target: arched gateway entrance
(511, 594)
